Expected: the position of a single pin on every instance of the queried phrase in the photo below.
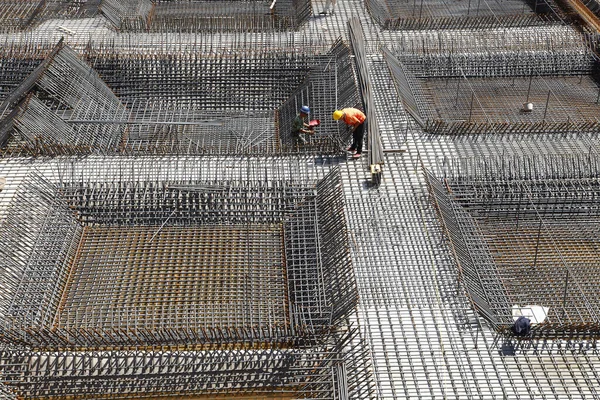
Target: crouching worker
(355, 119)
(300, 126)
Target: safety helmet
(305, 110)
(337, 114)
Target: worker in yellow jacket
(355, 119)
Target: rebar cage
(205, 101)
(206, 15)
(451, 14)
(145, 282)
(505, 90)
(523, 232)
(198, 263)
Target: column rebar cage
(448, 14)
(202, 101)
(182, 263)
(524, 232)
(505, 90)
(206, 16)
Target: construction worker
(300, 126)
(355, 119)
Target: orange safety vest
(353, 117)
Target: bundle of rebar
(372, 128)
(430, 14)
(524, 239)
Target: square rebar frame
(277, 251)
(520, 242)
(503, 92)
(203, 101)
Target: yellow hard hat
(337, 114)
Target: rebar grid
(283, 272)
(430, 14)
(473, 95)
(553, 38)
(23, 15)
(206, 16)
(62, 85)
(235, 93)
(132, 14)
(536, 237)
(328, 370)
(240, 81)
(230, 276)
(224, 16)
(16, 15)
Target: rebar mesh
(230, 276)
(177, 263)
(430, 14)
(132, 14)
(201, 102)
(16, 15)
(526, 240)
(206, 16)
(62, 88)
(323, 371)
(26, 14)
(505, 92)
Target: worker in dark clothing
(300, 126)
(355, 119)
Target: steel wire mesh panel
(433, 14)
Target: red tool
(314, 122)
